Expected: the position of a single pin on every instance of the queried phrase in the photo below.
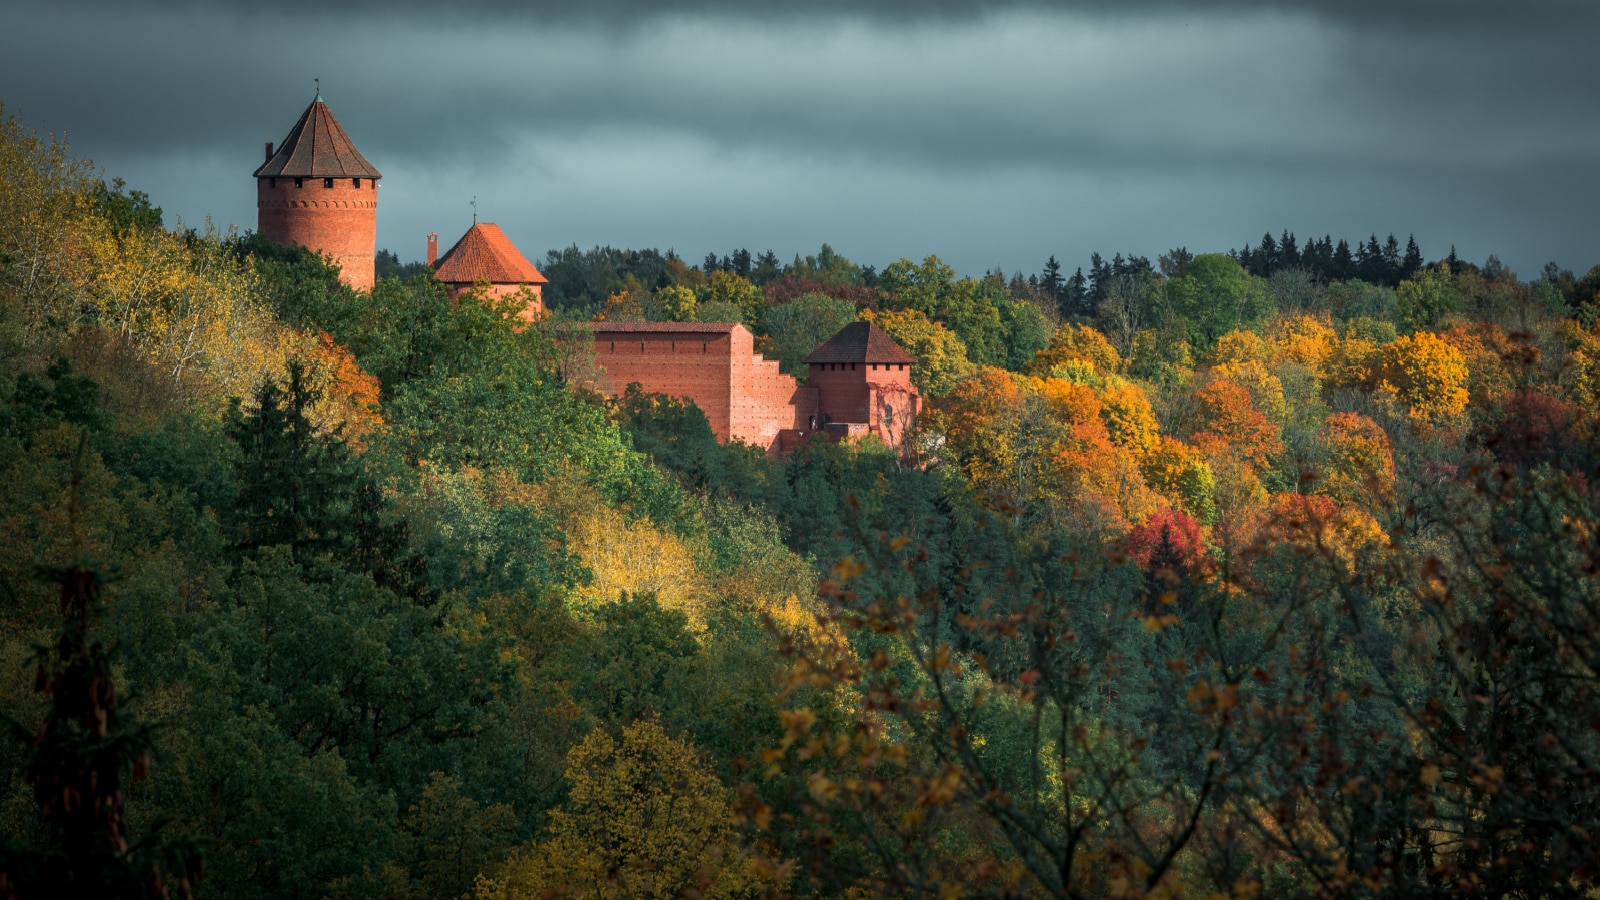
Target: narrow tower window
(272, 182)
(299, 182)
(327, 182)
(356, 182)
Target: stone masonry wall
(340, 221)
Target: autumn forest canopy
(1263, 572)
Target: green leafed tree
(1218, 296)
(795, 329)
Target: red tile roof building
(485, 254)
(860, 383)
(318, 191)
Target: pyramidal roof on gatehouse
(860, 342)
(484, 253)
(317, 148)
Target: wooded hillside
(1231, 575)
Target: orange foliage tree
(1358, 459)
(349, 396)
(1230, 423)
(1315, 527)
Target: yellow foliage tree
(1076, 342)
(1182, 475)
(1129, 418)
(189, 305)
(623, 306)
(1349, 362)
(678, 303)
(1238, 346)
(941, 355)
(727, 287)
(644, 819)
(1579, 369)
(1426, 373)
(1304, 339)
(44, 209)
(636, 557)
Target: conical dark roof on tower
(860, 342)
(317, 148)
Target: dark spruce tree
(301, 490)
(1099, 279)
(1392, 264)
(1343, 266)
(1411, 263)
(1050, 281)
(1075, 296)
(1266, 257)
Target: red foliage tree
(1528, 428)
(1171, 528)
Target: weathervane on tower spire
(474, 209)
(319, 90)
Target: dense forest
(1270, 573)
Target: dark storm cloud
(1364, 14)
(706, 123)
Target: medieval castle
(315, 189)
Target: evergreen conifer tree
(1099, 279)
(1411, 263)
(1391, 261)
(1267, 257)
(1050, 281)
(1075, 295)
(1343, 265)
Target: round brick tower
(318, 191)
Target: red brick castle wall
(712, 363)
(341, 221)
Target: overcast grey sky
(990, 133)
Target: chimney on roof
(269, 151)
(433, 247)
